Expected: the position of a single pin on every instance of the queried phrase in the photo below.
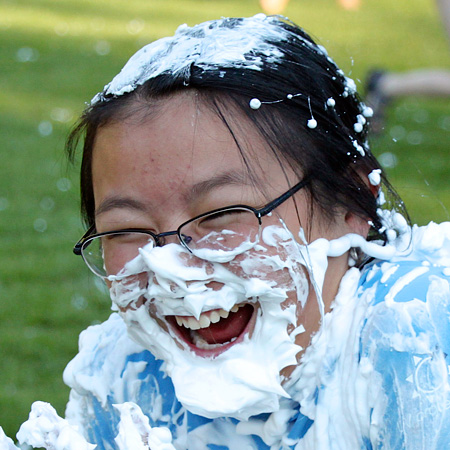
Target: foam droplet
(375, 177)
(367, 111)
(358, 127)
(312, 123)
(255, 103)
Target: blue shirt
(397, 397)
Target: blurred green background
(56, 54)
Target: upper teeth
(205, 318)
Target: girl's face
(158, 171)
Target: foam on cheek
(244, 380)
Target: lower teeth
(199, 342)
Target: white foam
(245, 380)
(46, 429)
(210, 45)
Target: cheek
(127, 293)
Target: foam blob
(255, 103)
(375, 177)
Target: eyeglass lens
(224, 231)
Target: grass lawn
(56, 54)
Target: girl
(268, 294)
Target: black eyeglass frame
(259, 213)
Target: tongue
(229, 328)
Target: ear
(357, 224)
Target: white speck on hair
(358, 127)
(375, 177)
(255, 103)
(312, 123)
(289, 96)
(331, 102)
(323, 50)
(367, 111)
(350, 85)
(359, 148)
(381, 200)
(361, 119)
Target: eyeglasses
(218, 235)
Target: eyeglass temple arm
(282, 198)
(77, 247)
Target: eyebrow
(119, 202)
(225, 179)
(197, 190)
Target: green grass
(46, 295)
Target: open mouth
(215, 331)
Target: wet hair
(303, 106)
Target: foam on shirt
(352, 398)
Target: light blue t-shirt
(403, 339)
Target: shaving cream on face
(245, 379)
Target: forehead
(180, 131)
(181, 143)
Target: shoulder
(420, 264)
(407, 298)
(403, 280)
(405, 337)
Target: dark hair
(332, 153)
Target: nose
(166, 238)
